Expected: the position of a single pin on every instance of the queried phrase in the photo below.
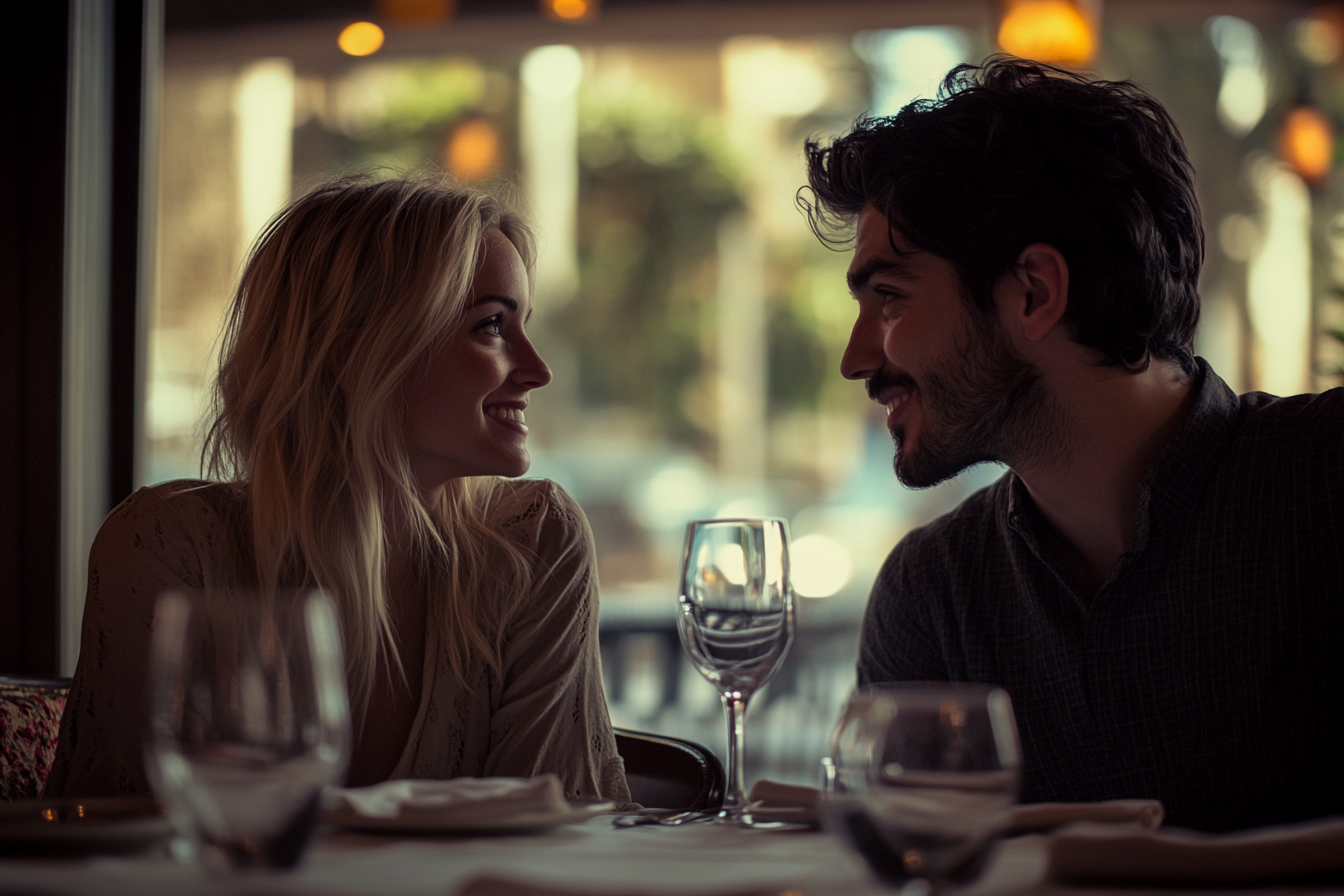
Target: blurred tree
(655, 183)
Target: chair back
(670, 772)
(30, 720)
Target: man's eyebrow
(858, 279)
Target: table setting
(919, 795)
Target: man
(1157, 581)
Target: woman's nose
(532, 370)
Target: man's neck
(1090, 498)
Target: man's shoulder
(972, 521)
(1320, 412)
(939, 551)
(1297, 435)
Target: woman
(371, 388)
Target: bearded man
(1158, 581)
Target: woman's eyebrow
(511, 304)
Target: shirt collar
(1178, 478)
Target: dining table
(590, 857)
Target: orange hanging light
(416, 12)
(360, 39)
(573, 11)
(1307, 144)
(1062, 32)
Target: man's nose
(863, 355)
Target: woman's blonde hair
(344, 291)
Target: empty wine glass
(736, 621)
(925, 778)
(249, 721)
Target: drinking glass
(736, 621)
(248, 722)
(925, 778)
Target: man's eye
(492, 325)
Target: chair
(669, 772)
(30, 720)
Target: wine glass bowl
(926, 775)
(249, 722)
(736, 620)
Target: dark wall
(32, 240)
(32, 260)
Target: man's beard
(981, 403)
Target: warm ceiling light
(1055, 31)
(473, 149)
(570, 10)
(361, 39)
(1307, 144)
(416, 12)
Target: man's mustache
(882, 380)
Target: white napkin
(1089, 853)
(453, 802)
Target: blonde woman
(373, 377)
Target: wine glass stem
(735, 800)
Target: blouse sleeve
(141, 550)
(552, 715)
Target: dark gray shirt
(1206, 672)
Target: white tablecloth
(594, 856)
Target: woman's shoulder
(179, 498)
(169, 512)
(540, 513)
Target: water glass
(736, 619)
(249, 721)
(923, 779)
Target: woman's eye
(492, 325)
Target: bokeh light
(1307, 144)
(361, 39)
(473, 149)
(570, 10)
(1244, 93)
(820, 566)
(1053, 31)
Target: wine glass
(736, 621)
(248, 722)
(925, 778)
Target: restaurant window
(693, 323)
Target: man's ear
(1035, 294)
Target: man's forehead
(875, 239)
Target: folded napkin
(452, 802)
(773, 801)
(1106, 854)
(490, 885)
(1033, 818)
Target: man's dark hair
(1015, 152)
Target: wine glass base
(746, 820)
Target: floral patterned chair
(30, 719)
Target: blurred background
(693, 323)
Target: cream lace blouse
(547, 714)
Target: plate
(522, 823)
(66, 827)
